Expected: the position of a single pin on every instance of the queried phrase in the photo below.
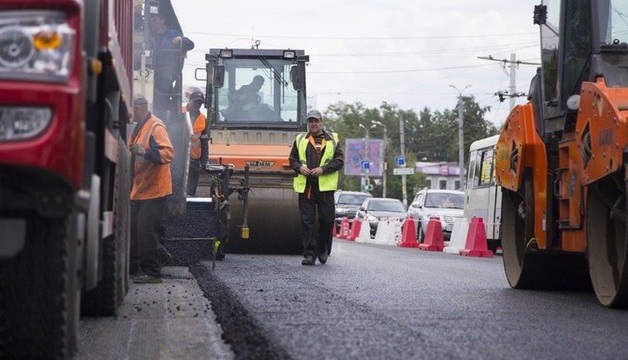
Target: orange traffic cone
(476, 240)
(408, 234)
(434, 240)
(344, 228)
(355, 230)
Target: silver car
(374, 209)
(446, 205)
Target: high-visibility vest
(195, 140)
(151, 180)
(327, 181)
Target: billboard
(364, 157)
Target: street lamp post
(460, 135)
(385, 148)
(367, 149)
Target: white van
(484, 196)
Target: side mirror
(296, 77)
(219, 76)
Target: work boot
(322, 257)
(146, 279)
(309, 260)
(165, 257)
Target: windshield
(617, 27)
(444, 200)
(352, 199)
(392, 206)
(257, 90)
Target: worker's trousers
(310, 203)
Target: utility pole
(513, 79)
(402, 147)
(385, 163)
(367, 148)
(514, 64)
(460, 135)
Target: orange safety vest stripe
(152, 180)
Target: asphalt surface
(383, 302)
(171, 320)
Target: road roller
(256, 101)
(562, 158)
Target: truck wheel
(107, 297)
(39, 303)
(606, 242)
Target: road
(382, 302)
(368, 302)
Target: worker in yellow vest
(316, 157)
(198, 140)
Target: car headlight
(18, 123)
(35, 45)
(342, 209)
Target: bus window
(486, 167)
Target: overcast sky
(405, 52)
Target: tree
(429, 136)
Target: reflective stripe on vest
(327, 181)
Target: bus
(484, 196)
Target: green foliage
(429, 136)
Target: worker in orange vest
(152, 154)
(199, 147)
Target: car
(375, 209)
(446, 205)
(347, 204)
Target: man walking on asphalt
(316, 157)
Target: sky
(412, 53)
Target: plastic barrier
(383, 232)
(344, 228)
(476, 240)
(364, 235)
(458, 237)
(434, 240)
(408, 234)
(355, 230)
(334, 232)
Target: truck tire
(39, 303)
(107, 297)
(607, 241)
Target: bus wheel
(606, 241)
(39, 304)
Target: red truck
(65, 101)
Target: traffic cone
(408, 234)
(434, 240)
(355, 230)
(476, 240)
(344, 228)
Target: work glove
(137, 149)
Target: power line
(362, 38)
